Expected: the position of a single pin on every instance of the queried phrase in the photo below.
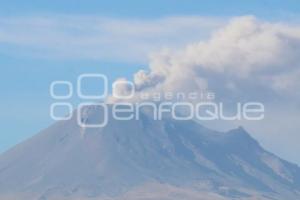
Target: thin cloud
(94, 37)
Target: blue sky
(155, 8)
(29, 64)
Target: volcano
(144, 159)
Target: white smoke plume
(247, 54)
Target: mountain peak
(116, 159)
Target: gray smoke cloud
(247, 58)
